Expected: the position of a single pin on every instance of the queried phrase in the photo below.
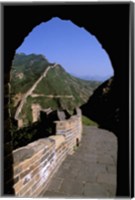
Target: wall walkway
(91, 171)
(35, 164)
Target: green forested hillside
(25, 71)
(58, 89)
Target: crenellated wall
(71, 129)
(35, 164)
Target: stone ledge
(59, 139)
(71, 119)
(44, 143)
(23, 153)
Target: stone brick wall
(35, 164)
(35, 112)
(71, 129)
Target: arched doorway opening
(75, 50)
(116, 48)
(78, 66)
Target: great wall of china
(29, 92)
(35, 164)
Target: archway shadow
(104, 108)
(114, 38)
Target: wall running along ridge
(35, 164)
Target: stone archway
(114, 37)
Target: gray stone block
(72, 187)
(107, 178)
(55, 184)
(95, 191)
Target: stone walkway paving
(91, 171)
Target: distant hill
(57, 89)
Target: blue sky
(73, 47)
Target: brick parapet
(35, 164)
(72, 130)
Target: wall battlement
(35, 164)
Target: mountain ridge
(57, 84)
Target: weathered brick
(17, 170)
(42, 188)
(26, 164)
(18, 186)
(45, 157)
(38, 191)
(36, 157)
(38, 166)
(36, 171)
(37, 178)
(22, 154)
(34, 165)
(39, 145)
(45, 151)
(23, 174)
(34, 187)
(27, 179)
(50, 156)
(16, 179)
(26, 188)
(27, 194)
(60, 132)
(44, 163)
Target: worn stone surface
(22, 154)
(59, 139)
(40, 144)
(35, 164)
(91, 171)
(56, 184)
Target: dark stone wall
(110, 24)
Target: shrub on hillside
(88, 122)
